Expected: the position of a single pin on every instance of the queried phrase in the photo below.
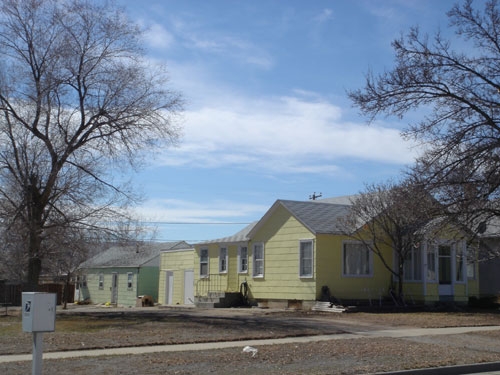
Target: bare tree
(395, 217)
(457, 92)
(77, 98)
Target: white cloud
(286, 134)
(325, 15)
(227, 45)
(181, 211)
(158, 37)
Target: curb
(475, 368)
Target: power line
(192, 223)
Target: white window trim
(431, 251)
(208, 264)
(420, 252)
(370, 261)
(254, 275)
(100, 281)
(471, 252)
(311, 241)
(84, 281)
(130, 280)
(226, 258)
(240, 258)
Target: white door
(188, 287)
(114, 288)
(169, 287)
(445, 256)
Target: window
(306, 258)
(204, 263)
(258, 260)
(413, 265)
(243, 259)
(130, 278)
(471, 263)
(444, 255)
(223, 260)
(101, 281)
(84, 281)
(357, 259)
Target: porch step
(218, 300)
(328, 307)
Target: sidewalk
(392, 333)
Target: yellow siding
(177, 262)
(229, 281)
(329, 267)
(281, 236)
(414, 291)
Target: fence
(11, 294)
(211, 283)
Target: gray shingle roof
(317, 216)
(240, 236)
(132, 256)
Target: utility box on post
(39, 312)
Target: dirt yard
(102, 328)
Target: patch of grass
(7, 328)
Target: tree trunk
(400, 283)
(34, 270)
(34, 222)
(66, 291)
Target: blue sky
(267, 116)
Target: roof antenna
(314, 196)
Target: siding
(147, 284)
(329, 262)
(281, 237)
(126, 297)
(177, 262)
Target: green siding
(144, 281)
(148, 282)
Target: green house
(120, 274)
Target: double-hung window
(357, 260)
(431, 264)
(258, 260)
(223, 260)
(130, 278)
(243, 259)
(413, 264)
(101, 281)
(306, 258)
(203, 262)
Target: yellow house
(297, 254)
(176, 279)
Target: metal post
(37, 353)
